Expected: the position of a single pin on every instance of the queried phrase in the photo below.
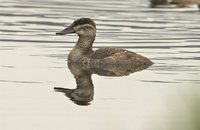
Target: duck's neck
(85, 42)
(83, 48)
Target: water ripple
(164, 35)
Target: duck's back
(119, 56)
(105, 52)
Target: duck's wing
(127, 57)
(118, 64)
(105, 52)
(119, 56)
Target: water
(33, 62)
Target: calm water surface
(33, 62)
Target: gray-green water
(33, 62)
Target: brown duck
(82, 52)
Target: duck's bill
(67, 30)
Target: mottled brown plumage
(83, 52)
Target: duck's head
(82, 26)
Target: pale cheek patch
(85, 30)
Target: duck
(173, 3)
(83, 52)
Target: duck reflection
(84, 92)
